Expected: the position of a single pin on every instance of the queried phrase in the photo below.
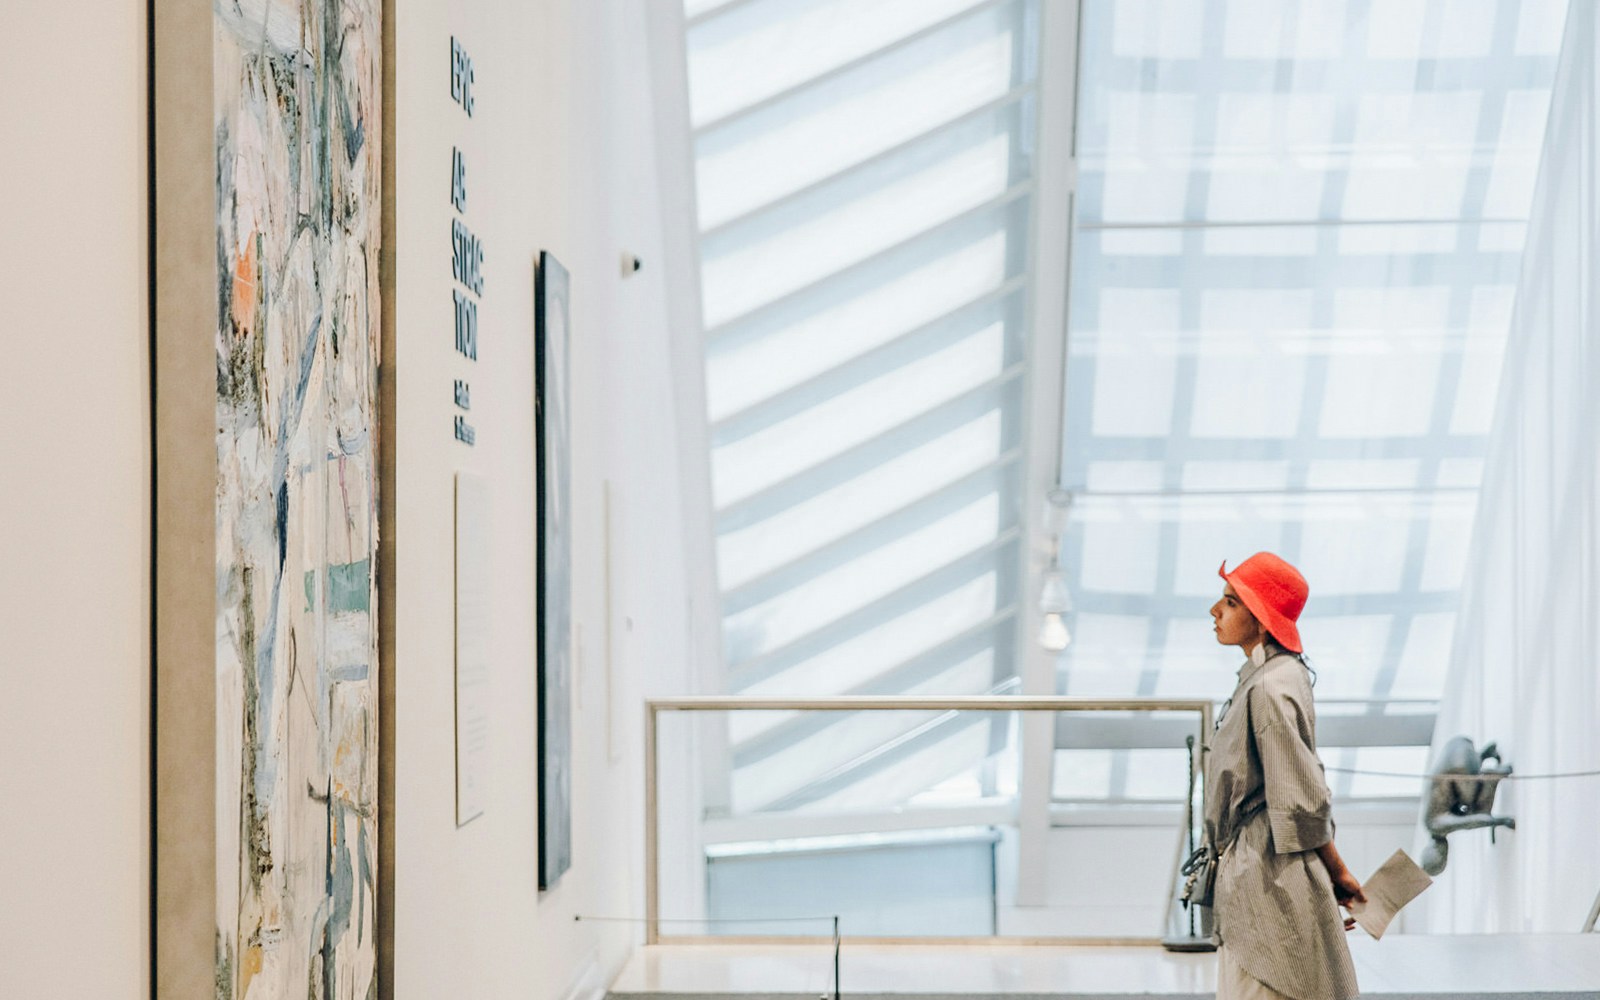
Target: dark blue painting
(554, 574)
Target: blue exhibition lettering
(466, 249)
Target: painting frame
(553, 572)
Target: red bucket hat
(1275, 593)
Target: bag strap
(1188, 801)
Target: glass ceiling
(1297, 235)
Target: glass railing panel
(908, 823)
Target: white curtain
(1523, 668)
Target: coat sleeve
(1299, 805)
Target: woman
(1280, 880)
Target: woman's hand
(1346, 887)
(1347, 890)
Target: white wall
(74, 503)
(560, 157)
(1522, 671)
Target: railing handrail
(988, 703)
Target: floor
(1401, 967)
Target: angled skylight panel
(866, 109)
(775, 357)
(762, 50)
(864, 181)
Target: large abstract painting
(553, 433)
(297, 91)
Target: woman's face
(1235, 625)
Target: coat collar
(1250, 668)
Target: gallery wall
(559, 156)
(562, 159)
(74, 503)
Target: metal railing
(654, 708)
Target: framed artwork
(267, 225)
(552, 411)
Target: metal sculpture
(1462, 797)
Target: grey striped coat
(1269, 809)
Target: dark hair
(1305, 661)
